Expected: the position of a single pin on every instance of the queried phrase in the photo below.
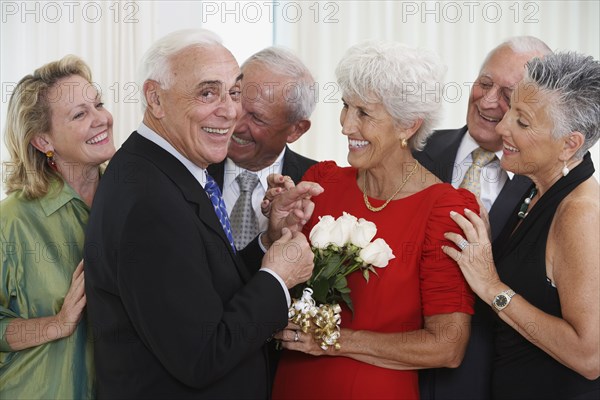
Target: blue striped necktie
(214, 193)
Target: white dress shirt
(200, 175)
(493, 177)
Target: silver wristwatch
(502, 300)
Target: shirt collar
(467, 145)
(196, 171)
(58, 198)
(232, 170)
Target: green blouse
(42, 244)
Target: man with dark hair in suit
(451, 155)
(177, 310)
(278, 98)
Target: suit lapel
(290, 166)
(507, 202)
(217, 171)
(440, 152)
(191, 190)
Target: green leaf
(331, 266)
(320, 289)
(340, 283)
(366, 274)
(346, 298)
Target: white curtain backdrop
(460, 32)
(112, 35)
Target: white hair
(572, 82)
(408, 81)
(520, 45)
(155, 63)
(283, 62)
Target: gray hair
(572, 81)
(408, 81)
(283, 62)
(520, 45)
(155, 63)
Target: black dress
(522, 370)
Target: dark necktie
(214, 193)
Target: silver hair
(520, 45)
(155, 63)
(408, 81)
(301, 104)
(572, 82)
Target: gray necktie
(244, 222)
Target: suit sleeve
(168, 267)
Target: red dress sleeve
(323, 172)
(443, 287)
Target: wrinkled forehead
(196, 64)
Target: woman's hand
(292, 338)
(72, 309)
(18, 332)
(475, 257)
(277, 184)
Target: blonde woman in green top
(58, 134)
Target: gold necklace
(376, 209)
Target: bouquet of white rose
(341, 246)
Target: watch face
(501, 301)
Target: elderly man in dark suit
(278, 97)
(177, 310)
(469, 157)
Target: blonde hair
(28, 115)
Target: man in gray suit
(448, 154)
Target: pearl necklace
(376, 209)
(523, 210)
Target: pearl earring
(565, 170)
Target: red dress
(420, 281)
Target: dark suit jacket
(472, 380)
(294, 165)
(175, 313)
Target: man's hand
(277, 184)
(291, 209)
(291, 258)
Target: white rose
(364, 231)
(377, 253)
(340, 232)
(320, 234)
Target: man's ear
(41, 143)
(152, 93)
(298, 130)
(573, 142)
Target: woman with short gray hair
(544, 282)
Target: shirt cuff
(263, 248)
(282, 283)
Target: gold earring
(50, 160)
(404, 143)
